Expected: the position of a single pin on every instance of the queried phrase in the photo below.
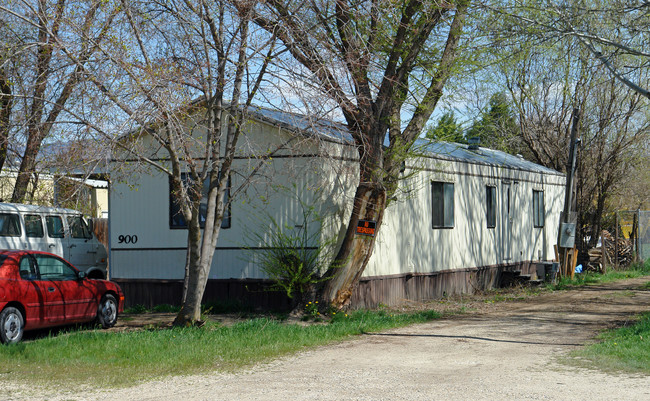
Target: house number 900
(127, 239)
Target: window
(176, 219)
(9, 225)
(78, 227)
(538, 208)
(34, 226)
(442, 195)
(491, 204)
(28, 268)
(54, 226)
(54, 269)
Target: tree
(447, 129)
(176, 78)
(497, 127)
(43, 80)
(384, 65)
(546, 82)
(615, 33)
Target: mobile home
(461, 217)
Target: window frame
(442, 214)
(491, 206)
(539, 213)
(176, 218)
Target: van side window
(54, 226)
(9, 225)
(34, 226)
(78, 227)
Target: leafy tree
(384, 65)
(546, 80)
(447, 129)
(497, 128)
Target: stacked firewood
(624, 256)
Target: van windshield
(78, 227)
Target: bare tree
(547, 83)
(191, 71)
(615, 33)
(43, 80)
(384, 65)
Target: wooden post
(616, 243)
(603, 254)
(635, 235)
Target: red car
(39, 289)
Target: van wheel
(12, 325)
(107, 311)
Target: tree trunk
(355, 251)
(5, 116)
(191, 308)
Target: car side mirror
(91, 225)
(81, 275)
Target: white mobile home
(461, 217)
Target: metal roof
(337, 132)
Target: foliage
(634, 271)
(99, 358)
(294, 250)
(625, 349)
(497, 127)
(447, 129)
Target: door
(506, 227)
(43, 298)
(77, 297)
(55, 235)
(36, 237)
(82, 250)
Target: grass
(621, 350)
(100, 358)
(635, 270)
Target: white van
(60, 231)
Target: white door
(35, 235)
(82, 250)
(506, 227)
(55, 235)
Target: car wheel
(107, 311)
(12, 325)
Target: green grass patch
(95, 357)
(622, 350)
(634, 271)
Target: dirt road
(511, 351)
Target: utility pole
(566, 234)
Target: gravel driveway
(510, 352)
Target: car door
(79, 298)
(42, 298)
